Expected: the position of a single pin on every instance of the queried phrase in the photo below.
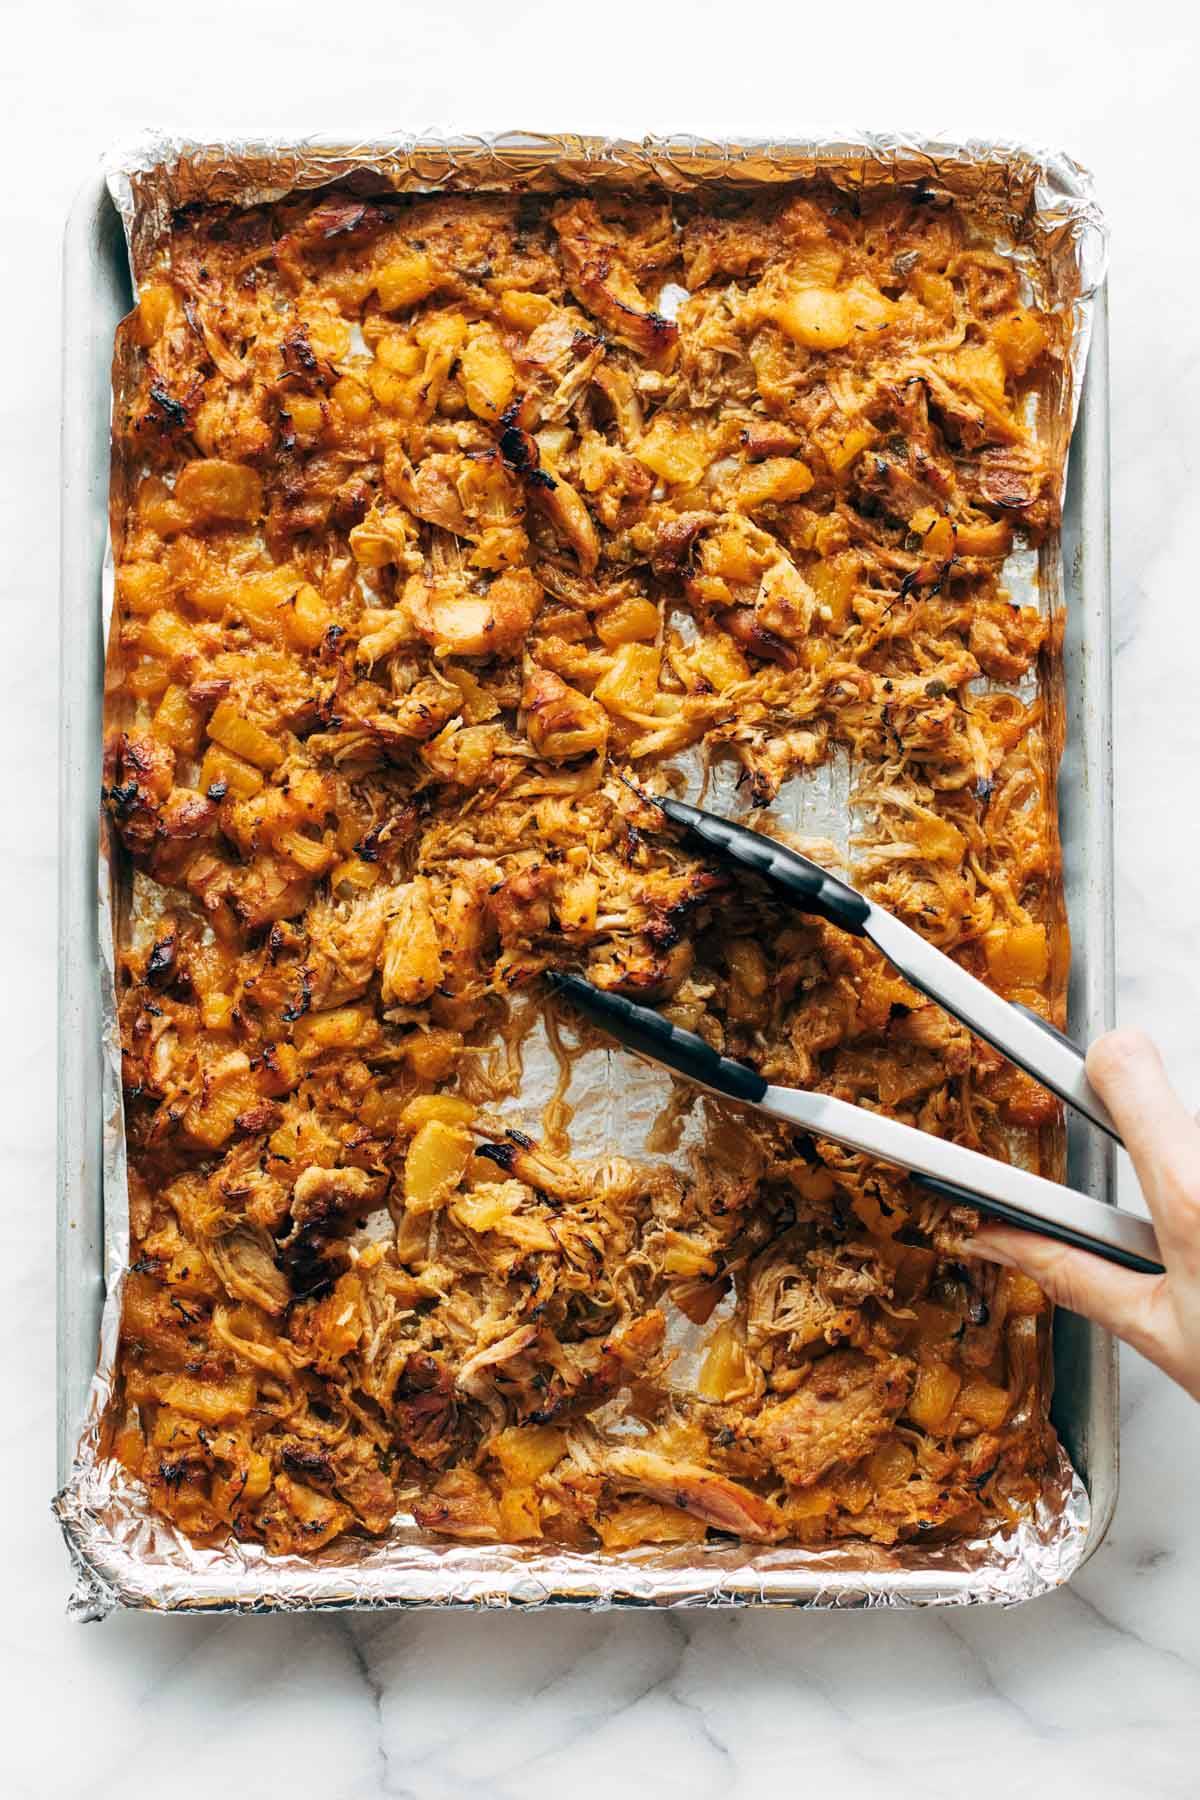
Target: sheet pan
(138, 1569)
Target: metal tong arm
(1019, 1034)
(994, 1187)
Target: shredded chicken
(842, 1412)
(442, 543)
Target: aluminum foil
(1039, 208)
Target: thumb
(1160, 1134)
(1125, 1303)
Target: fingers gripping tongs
(999, 1189)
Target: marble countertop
(1096, 1687)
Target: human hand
(1158, 1314)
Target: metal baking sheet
(409, 1570)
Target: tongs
(1011, 1194)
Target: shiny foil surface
(1038, 208)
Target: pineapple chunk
(398, 352)
(934, 1393)
(307, 416)
(1023, 1297)
(938, 839)
(810, 1503)
(520, 1515)
(260, 599)
(934, 291)
(395, 393)
(177, 722)
(869, 309)
(449, 1109)
(685, 1257)
(212, 1402)
(129, 1447)
(527, 1452)
(985, 1403)
(229, 1089)
(307, 619)
(628, 622)
(352, 399)
(165, 634)
(158, 508)
(280, 1071)
(525, 311)
(221, 768)
(579, 904)
(630, 685)
(1018, 956)
(834, 580)
(816, 264)
(312, 855)
(228, 728)
(724, 1373)
(155, 309)
(891, 1464)
(677, 449)
(328, 334)
(143, 587)
(337, 1322)
(816, 317)
(436, 1162)
(717, 661)
(258, 1478)
(748, 967)
(433, 1055)
(735, 553)
(979, 366)
(850, 448)
(487, 374)
(773, 482)
(213, 492)
(216, 1012)
(1020, 338)
(992, 537)
(636, 1522)
(340, 1028)
(402, 283)
(353, 876)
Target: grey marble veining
(1094, 1690)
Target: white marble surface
(1096, 1688)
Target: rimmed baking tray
(96, 294)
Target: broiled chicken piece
(603, 285)
(469, 618)
(844, 1410)
(723, 1504)
(562, 723)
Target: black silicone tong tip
(640, 1028)
(796, 879)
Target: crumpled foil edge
(1042, 204)
(1021, 187)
